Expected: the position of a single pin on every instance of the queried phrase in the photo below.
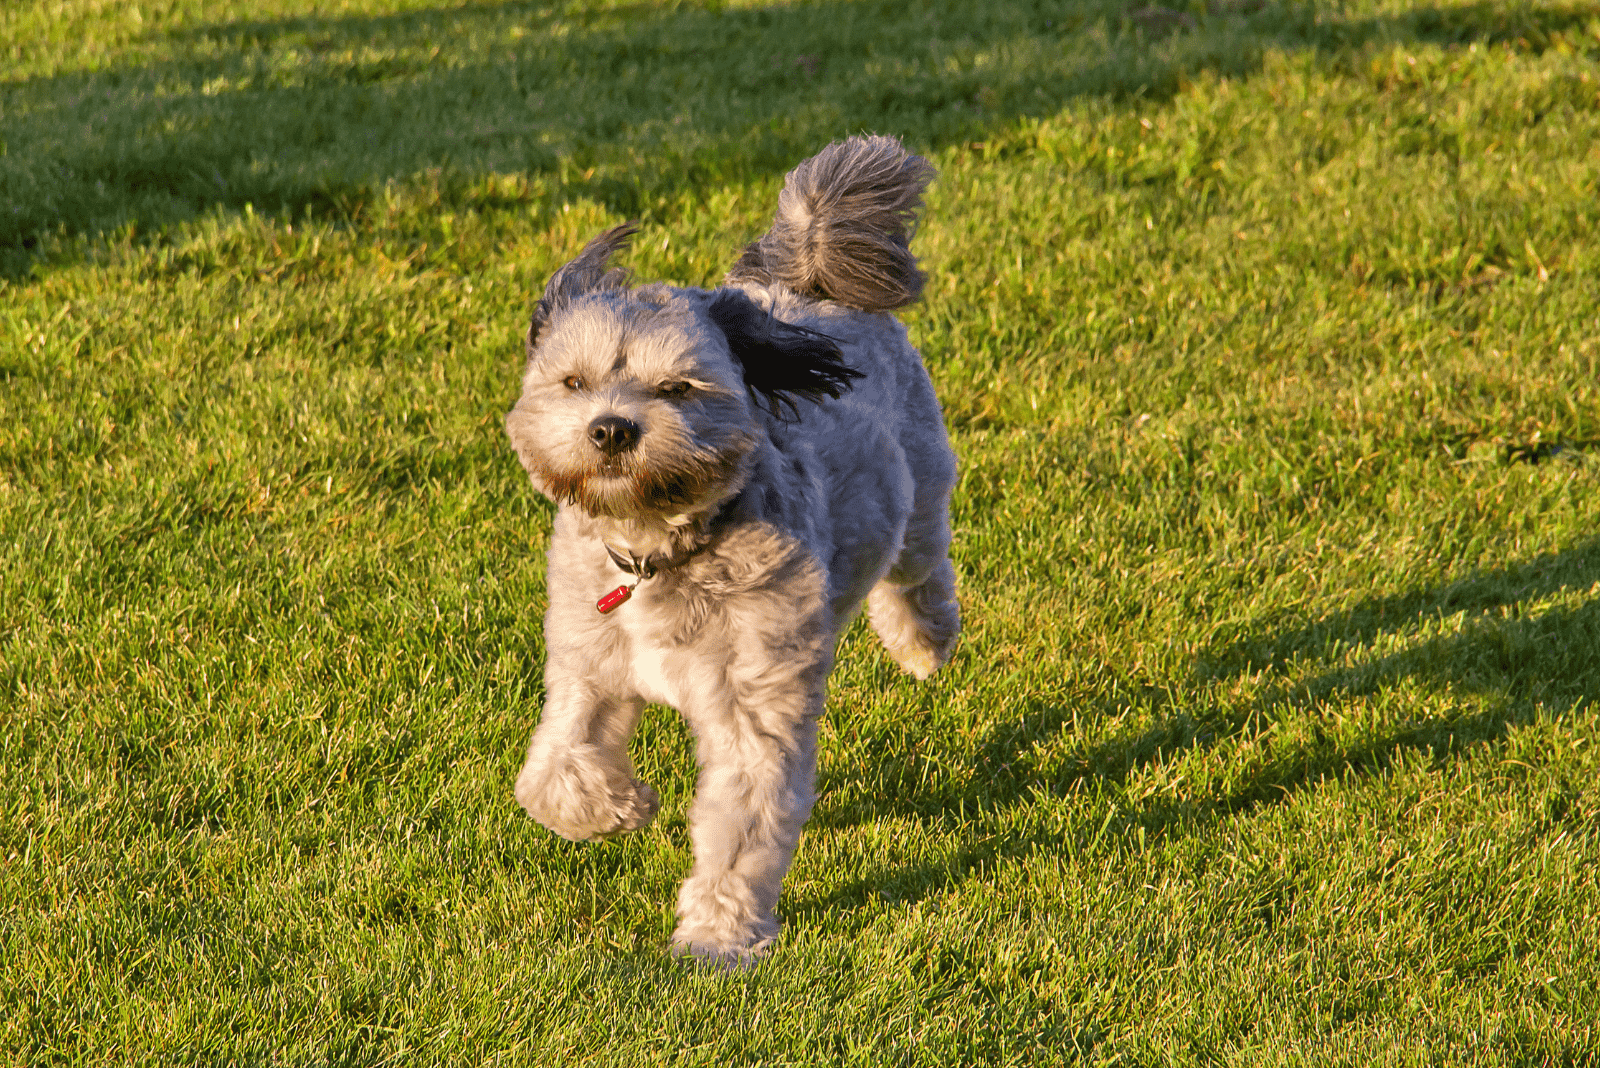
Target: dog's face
(643, 403)
(632, 406)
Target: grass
(1269, 337)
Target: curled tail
(844, 225)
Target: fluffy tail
(844, 225)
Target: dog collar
(639, 569)
(651, 566)
(644, 569)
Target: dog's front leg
(578, 779)
(756, 788)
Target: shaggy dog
(736, 470)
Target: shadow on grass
(1516, 661)
(626, 105)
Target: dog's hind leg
(917, 623)
(913, 607)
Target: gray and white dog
(736, 470)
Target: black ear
(587, 272)
(781, 361)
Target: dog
(736, 471)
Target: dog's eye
(573, 381)
(673, 389)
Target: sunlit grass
(1269, 337)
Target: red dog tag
(614, 598)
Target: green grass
(1270, 343)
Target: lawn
(1268, 335)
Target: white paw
(919, 661)
(720, 924)
(582, 798)
(717, 949)
(634, 809)
(919, 638)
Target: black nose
(612, 434)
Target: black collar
(640, 569)
(650, 566)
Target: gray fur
(589, 271)
(769, 532)
(844, 226)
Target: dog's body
(655, 418)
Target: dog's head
(643, 403)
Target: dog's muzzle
(612, 434)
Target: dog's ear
(587, 272)
(781, 361)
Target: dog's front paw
(582, 797)
(720, 924)
(727, 958)
(728, 954)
